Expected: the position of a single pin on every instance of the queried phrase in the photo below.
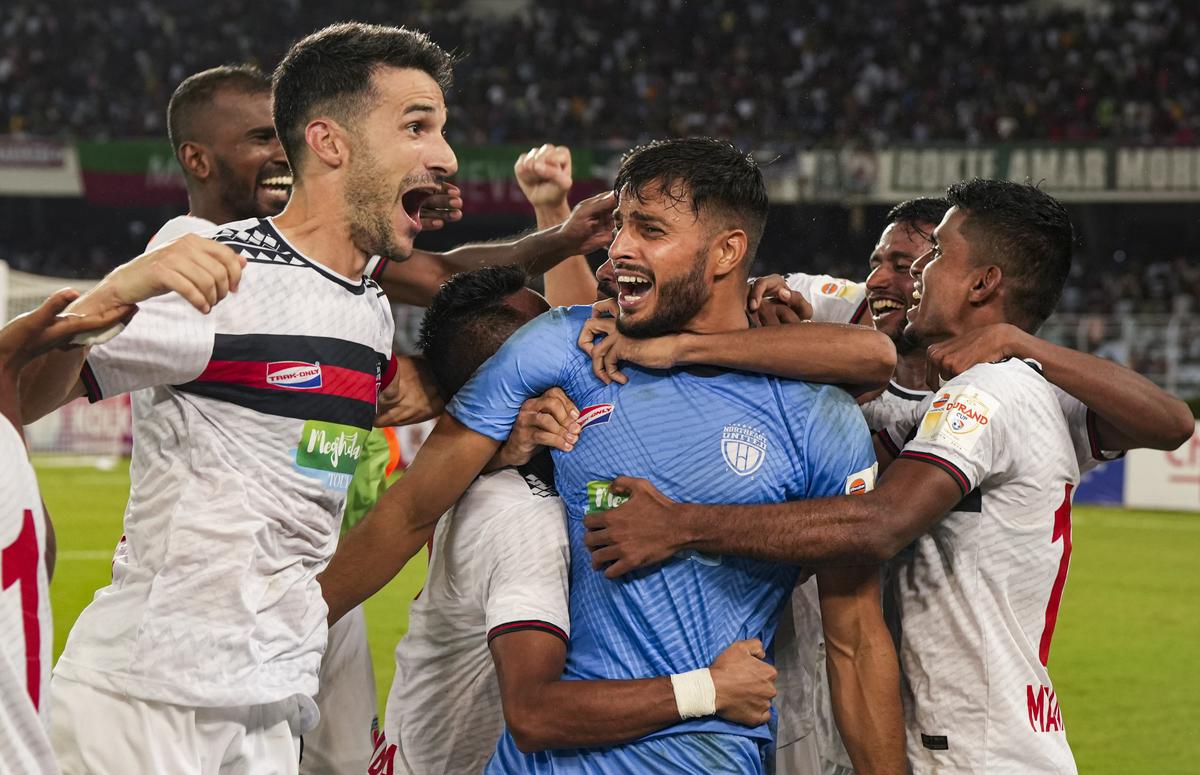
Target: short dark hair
(330, 70)
(468, 321)
(912, 213)
(195, 93)
(714, 174)
(1024, 231)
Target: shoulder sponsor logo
(294, 375)
(831, 289)
(958, 416)
(595, 415)
(744, 448)
(862, 481)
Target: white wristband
(695, 694)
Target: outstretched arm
(372, 553)
(864, 675)
(417, 279)
(544, 711)
(815, 352)
(870, 528)
(1131, 411)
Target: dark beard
(678, 302)
(234, 196)
(368, 203)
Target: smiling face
(250, 169)
(660, 257)
(890, 283)
(397, 158)
(944, 276)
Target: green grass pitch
(1124, 657)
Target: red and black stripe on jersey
(350, 375)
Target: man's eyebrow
(419, 107)
(643, 217)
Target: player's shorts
(707, 752)
(341, 742)
(95, 732)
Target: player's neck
(207, 204)
(320, 233)
(910, 370)
(724, 311)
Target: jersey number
(19, 561)
(1062, 529)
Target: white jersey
(498, 563)
(248, 424)
(179, 226)
(892, 406)
(26, 638)
(833, 299)
(980, 591)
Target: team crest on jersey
(597, 414)
(294, 375)
(743, 448)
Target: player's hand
(590, 225)
(27, 336)
(745, 683)
(613, 347)
(442, 208)
(771, 302)
(639, 532)
(946, 360)
(198, 269)
(544, 175)
(411, 397)
(550, 420)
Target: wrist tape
(695, 694)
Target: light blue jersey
(700, 436)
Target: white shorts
(96, 732)
(341, 742)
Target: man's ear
(195, 160)
(327, 141)
(986, 284)
(731, 251)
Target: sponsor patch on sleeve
(861, 481)
(958, 417)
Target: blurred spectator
(607, 72)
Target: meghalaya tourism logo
(329, 451)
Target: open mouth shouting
(413, 198)
(882, 306)
(916, 295)
(274, 186)
(633, 288)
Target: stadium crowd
(757, 72)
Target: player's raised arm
(1130, 410)
(864, 673)
(544, 711)
(587, 228)
(854, 356)
(371, 554)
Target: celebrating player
(27, 541)
(690, 216)
(252, 423)
(982, 490)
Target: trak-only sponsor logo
(294, 375)
(597, 414)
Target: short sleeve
(528, 561)
(532, 361)
(833, 299)
(168, 342)
(839, 455)
(1081, 422)
(962, 431)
